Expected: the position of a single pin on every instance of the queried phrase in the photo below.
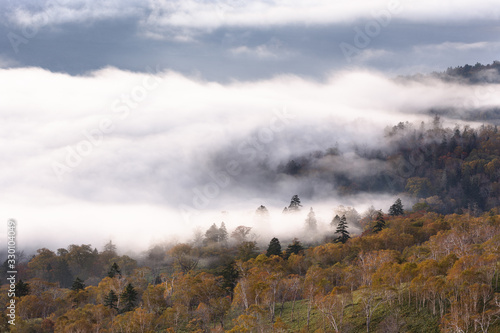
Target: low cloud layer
(138, 157)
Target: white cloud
(171, 17)
(274, 49)
(51, 13)
(260, 51)
(372, 54)
(174, 137)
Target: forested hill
(474, 74)
(468, 74)
(446, 170)
(407, 272)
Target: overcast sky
(241, 40)
(143, 119)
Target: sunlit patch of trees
(444, 269)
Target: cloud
(53, 13)
(372, 54)
(452, 47)
(127, 153)
(273, 49)
(168, 17)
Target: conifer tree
(262, 215)
(274, 248)
(342, 231)
(212, 235)
(110, 300)
(128, 297)
(397, 208)
(113, 270)
(222, 233)
(78, 284)
(311, 222)
(379, 223)
(294, 248)
(22, 289)
(294, 204)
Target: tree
(222, 233)
(128, 297)
(212, 234)
(247, 250)
(22, 289)
(342, 231)
(110, 300)
(370, 300)
(332, 306)
(215, 235)
(294, 204)
(335, 221)
(419, 187)
(397, 208)
(229, 277)
(185, 256)
(82, 260)
(42, 263)
(240, 233)
(62, 273)
(379, 223)
(153, 299)
(351, 214)
(78, 285)
(110, 247)
(261, 215)
(113, 270)
(311, 222)
(274, 248)
(294, 248)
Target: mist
(143, 158)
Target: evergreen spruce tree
(262, 212)
(78, 284)
(222, 233)
(128, 297)
(113, 270)
(397, 208)
(379, 223)
(342, 231)
(229, 277)
(110, 300)
(274, 248)
(311, 222)
(262, 215)
(294, 248)
(212, 234)
(22, 289)
(294, 204)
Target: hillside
(419, 271)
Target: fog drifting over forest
(146, 157)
